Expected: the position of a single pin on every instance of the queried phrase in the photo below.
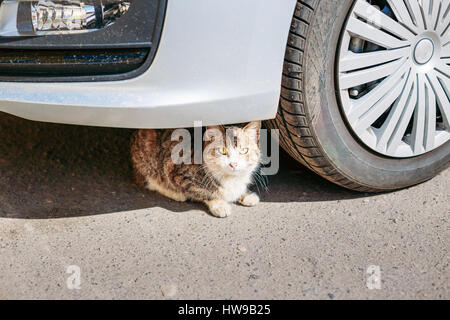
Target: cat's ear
(255, 125)
(213, 132)
(253, 128)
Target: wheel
(365, 91)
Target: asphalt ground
(68, 203)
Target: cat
(231, 157)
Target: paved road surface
(67, 199)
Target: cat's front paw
(249, 200)
(219, 208)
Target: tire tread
(292, 118)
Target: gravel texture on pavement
(67, 198)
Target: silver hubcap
(394, 75)
(424, 51)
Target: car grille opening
(67, 63)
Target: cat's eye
(244, 151)
(222, 150)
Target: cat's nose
(233, 165)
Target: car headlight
(78, 40)
(46, 17)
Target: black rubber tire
(312, 129)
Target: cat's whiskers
(208, 177)
(259, 179)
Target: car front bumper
(218, 62)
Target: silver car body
(218, 62)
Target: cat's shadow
(54, 171)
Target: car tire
(312, 127)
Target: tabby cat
(223, 177)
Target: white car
(358, 89)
